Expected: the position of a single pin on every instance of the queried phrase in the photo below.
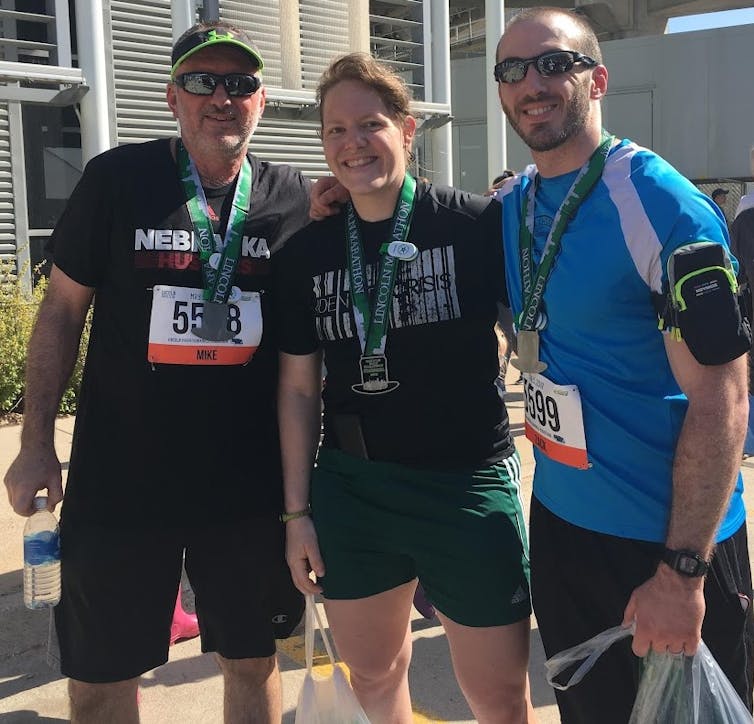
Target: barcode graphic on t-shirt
(425, 292)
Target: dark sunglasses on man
(557, 62)
(237, 85)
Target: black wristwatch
(687, 563)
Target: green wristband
(285, 517)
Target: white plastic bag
(674, 689)
(327, 700)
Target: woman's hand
(302, 554)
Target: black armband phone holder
(702, 304)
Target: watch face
(688, 565)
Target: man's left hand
(668, 610)
(327, 196)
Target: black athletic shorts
(581, 583)
(119, 590)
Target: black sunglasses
(554, 62)
(204, 84)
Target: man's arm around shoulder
(50, 360)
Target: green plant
(18, 311)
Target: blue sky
(721, 19)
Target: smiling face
(365, 147)
(218, 124)
(557, 113)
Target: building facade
(685, 95)
(80, 76)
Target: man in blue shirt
(637, 442)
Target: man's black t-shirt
(742, 246)
(441, 345)
(163, 443)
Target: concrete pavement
(188, 688)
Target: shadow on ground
(23, 644)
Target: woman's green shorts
(462, 533)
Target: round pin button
(403, 250)
(214, 260)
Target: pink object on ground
(185, 625)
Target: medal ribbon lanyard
(217, 280)
(533, 287)
(372, 322)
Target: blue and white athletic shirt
(602, 336)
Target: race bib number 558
(178, 311)
(554, 422)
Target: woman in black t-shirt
(417, 476)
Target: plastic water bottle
(41, 558)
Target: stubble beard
(229, 146)
(547, 137)
(232, 145)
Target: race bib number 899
(178, 311)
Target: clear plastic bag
(678, 689)
(582, 657)
(674, 689)
(328, 700)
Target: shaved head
(585, 40)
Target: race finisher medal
(532, 319)
(218, 265)
(371, 320)
(374, 376)
(215, 323)
(527, 359)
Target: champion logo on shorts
(519, 596)
(279, 618)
